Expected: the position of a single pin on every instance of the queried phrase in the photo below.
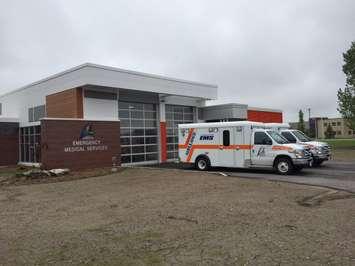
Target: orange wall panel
(264, 116)
(163, 141)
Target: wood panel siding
(65, 104)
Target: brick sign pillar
(9, 143)
(79, 144)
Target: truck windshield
(301, 136)
(277, 137)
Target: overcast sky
(277, 54)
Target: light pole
(309, 121)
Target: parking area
(142, 216)
(336, 174)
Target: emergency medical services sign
(87, 142)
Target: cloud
(277, 54)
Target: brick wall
(65, 146)
(65, 104)
(9, 143)
(264, 116)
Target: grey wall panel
(225, 112)
(138, 96)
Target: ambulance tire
(202, 163)
(284, 166)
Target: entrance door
(261, 151)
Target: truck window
(226, 138)
(289, 137)
(260, 138)
(301, 136)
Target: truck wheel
(284, 166)
(202, 163)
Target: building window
(334, 123)
(30, 144)
(350, 132)
(36, 113)
(175, 115)
(339, 123)
(139, 132)
(0, 108)
(338, 132)
(325, 124)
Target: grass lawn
(342, 149)
(341, 143)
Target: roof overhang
(104, 76)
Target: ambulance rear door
(231, 152)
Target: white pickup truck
(321, 151)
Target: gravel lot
(167, 217)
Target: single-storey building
(93, 115)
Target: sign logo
(261, 152)
(87, 132)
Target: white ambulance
(320, 151)
(239, 144)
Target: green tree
(349, 66)
(346, 96)
(329, 133)
(301, 126)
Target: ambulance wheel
(284, 166)
(202, 163)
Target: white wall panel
(100, 109)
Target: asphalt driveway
(338, 175)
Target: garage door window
(139, 132)
(175, 115)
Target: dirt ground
(170, 217)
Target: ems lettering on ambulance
(206, 137)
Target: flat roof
(225, 106)
(94, 74)
(264, 109)
(222, 124)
